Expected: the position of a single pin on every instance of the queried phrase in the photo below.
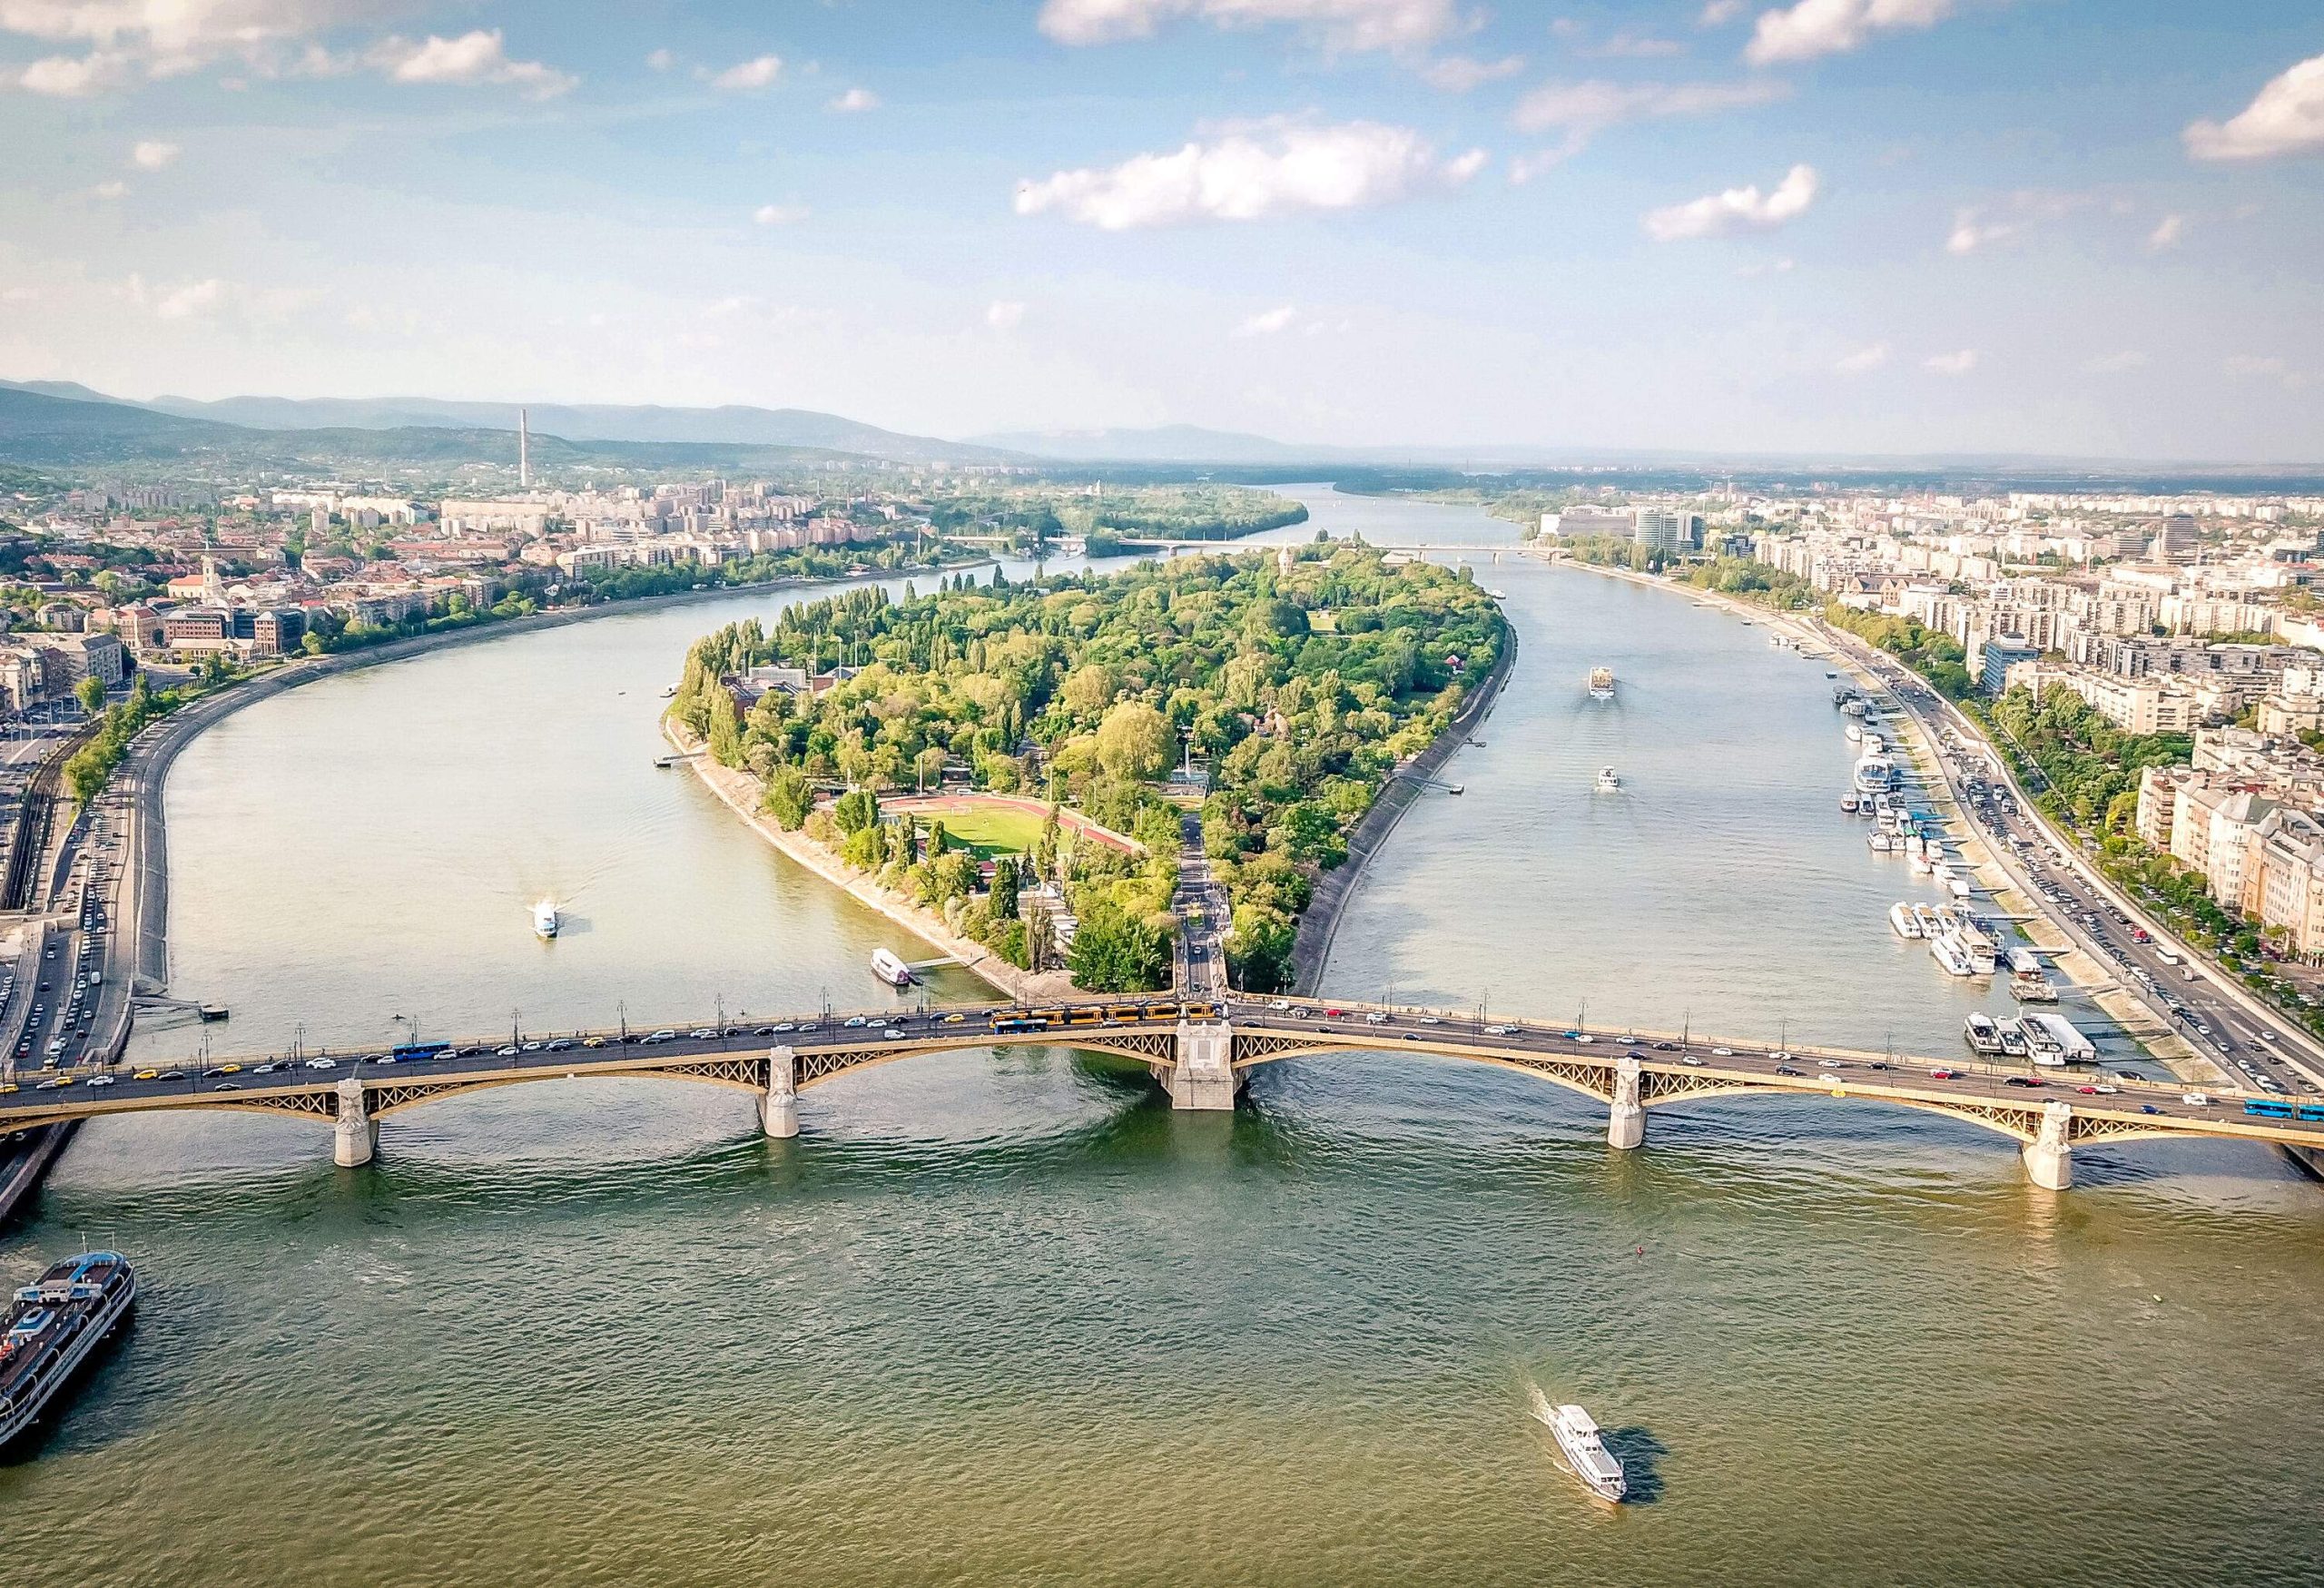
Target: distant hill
(1162, 444)
(36, 428)
(731, 426)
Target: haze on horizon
(2071, 227)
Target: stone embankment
(745, 795)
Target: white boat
(1980, 1032)
(1853, 732)
(1879, 843)
(1498, 595)
(1585, 1451)
(1946, 950)
(1606, 782)
(2013, 1038)
(1875, 775)
(668, 690)
(1601, 684)
(890, 968)
(1931, 922)
(1850, 804)
(544, 921)
(1902, 921)
(2055, 1040)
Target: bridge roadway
(1201, 1052)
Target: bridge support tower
(2048, 1157)
(358, 1134)
(1626, 1127)
(779, 1104)
(1204, 1076)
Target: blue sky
(2079, 226)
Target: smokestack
(524, 452)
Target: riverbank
(1311, 948)
(746, 796)
(2081, 968)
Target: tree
(1004, 888)
(789, 798)
(1134, 742)
(1112, 952)
(1040, 940)
(856, 809)
(91, 692)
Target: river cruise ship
(53, 1327)
(890, 968)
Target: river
(1008, 1318)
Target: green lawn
(991, 829)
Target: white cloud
(475, 57)
(1627, 45)
(2121, 363)
(194, 299)
(1293, 168)
(1341, 24)
(153, 155)
(2168, 233)
(1738, 209)
(1004, 314)
(1719, 12)
(1268, 322)
(744, 76)
(780, 214)
(1461, 74)
(1864, 359)
(71, 78)
(2252, 364)
(1831, 28)
(1970, 232)
(110, 189)
(2285, 118)
(661, 61)
(856, 99)
(1959, 363)
(1583, 110)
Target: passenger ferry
(1601, 684)
(1981, 1033)
(1875, 775)
(1902, 921)
(52, 1327)
(890, 968)
(1606, 782)
(1585, 1450)
(544, 921)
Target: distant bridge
(1201, 1052)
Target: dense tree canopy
(1301, 684)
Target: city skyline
(1843, 226)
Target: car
(1722, 1052)
(1584, 1037)
(668, 1036)
(1830, 1064)
(1878, 1064)
(267, 1069)
(227, 1086)
(1280, 1004)
(105, 1080)
(1690, 1058)
(1376, 1019)
(322, 1063)
(954, 1018)
(561, 1044)
(762, 1031)
(147, 1075)
(1430, 1020)
(810, 1026)
(2087, 1090)
(891, 1033)
(851, 1021)
(1335, 1014)
(1788, 1069)
(2105, 1088)
(54, 1083)
(702, 1033)
(2195, 1100)
(508, 1050)
(1666, 1047)
(1302, 1013)
(2022, 1081)
(216, 1070)
(1490, 1030)
(2270, 1037)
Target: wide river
(1010, 1320)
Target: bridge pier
(779, 1104)
(357, 1133)
(1626, 1127)
(1204, 1076)
(2048, 1157)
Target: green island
(1297, 680)
(1029, 516)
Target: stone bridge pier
(2048, 1157)
(779, 1104)
(1626, 1126)
(357, 1133)
(1202, 1078)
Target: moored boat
(52, 1327)
(890, 968)
(1980, 1032)
(1901, 921)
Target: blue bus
(407, 1052)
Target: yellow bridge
(1200, 1052)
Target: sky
(1822, 227)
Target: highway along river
(1010, 1320)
